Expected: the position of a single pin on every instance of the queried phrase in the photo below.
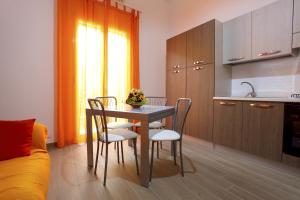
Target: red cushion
(15, 138)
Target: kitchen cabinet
(228, 124)
(237, 40)
(296, 27)
(272, 30)
(296, 16)
(177, 79)
(296, 40)
(200, 88)
(176, 48)
(262, 132)
(176, 88)
(200, 44)
(202, 76)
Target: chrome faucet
(251, 94)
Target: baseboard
(291, 160)
(51, 145)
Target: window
(91, 69)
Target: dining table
(145, 114)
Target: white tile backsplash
(272, 78)
(272, 86)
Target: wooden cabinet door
(176, 52)
(200, 44)
(272, 30)
(296, 16)
(296, 27)
(200, 88)
(237, 40)
(296, 40)
(228, 122)
(263, 129)
(176, 88)
(176, 84)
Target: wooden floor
(212, 173)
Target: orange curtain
(108, 19)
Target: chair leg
(97, 155)
(157, 153)
(102, 144)
(118, 152)
(135, 155)
(122, 153)
(181, 161)
(106, 161)
(175, 151)
(151, 164)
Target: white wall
(27, 61)
(27, 56)
(187, 14)
(278, 77)
(27, 51)
(154, 29)
(272, 78)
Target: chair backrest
(100, 120)
(183, 106)
(110, 101)
(157, 101)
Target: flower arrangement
(136, 98)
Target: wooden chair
(183, 106)
(108, 136)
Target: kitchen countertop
(265, 99)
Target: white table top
(146, 109)
(149, 112)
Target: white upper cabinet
(296, 16)
(272, 30)
(296, 40)
(237, 40)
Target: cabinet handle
(236, 59)
(176, 71)
(197, 68)
(269, 53)
(176, 66)
(261, 105)
(227, 103)
(198, 62)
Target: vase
(135, 105)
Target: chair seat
(118, 125)
(162, 135)
(119, 135)
(152, 125)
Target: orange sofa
(26, 178)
